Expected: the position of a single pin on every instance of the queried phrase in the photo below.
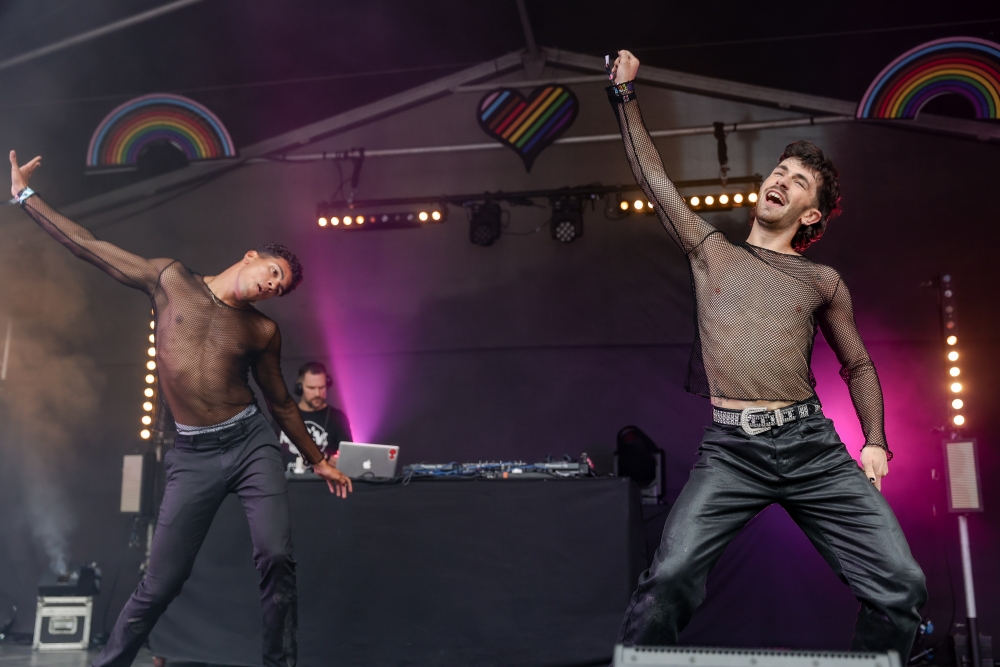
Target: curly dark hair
(828, 186)
(277, 250)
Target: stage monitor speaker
(138, 471)
(965, 494)
(678, 656)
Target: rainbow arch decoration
(149, 119)
(527, 125)
(966, 66)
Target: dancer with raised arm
(208, 338)
(758, 304)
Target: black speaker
(638, 458)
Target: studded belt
(758, 420)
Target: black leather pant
(201, 470)
(805, 468)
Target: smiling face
(788, 197)
(263, 276)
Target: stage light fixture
(144, 434)
(695, 201)
(567, 219)
(147, 406)
(485, 223)
(738, 198)
(723, 199)
(151, 351)
(146, 420)
(752, 197)
(953, 356)
(423, 216)
(148, 392)
(436, 216)
(956, 387)
(150, 379)
(637, 204)
(623, 205)
(954, 371)
(959, 420)
(322, 222)
(348, 220)
(361, 220)
(709, 200)
(957, 404)
(151, 365)
(951, 340)
(152, 325)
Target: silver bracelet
(24, 194)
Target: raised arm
(686, 228)
(856, 367)
(267, 372)
(123, 266)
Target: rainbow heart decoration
(527, 125)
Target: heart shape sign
(527, 125)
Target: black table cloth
(449, 572)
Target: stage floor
(13, 655)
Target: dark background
(520, 350)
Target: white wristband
(24, 194)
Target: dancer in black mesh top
(209, 337)
(758, 305)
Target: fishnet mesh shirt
(205, 349)
(756, 310)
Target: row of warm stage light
(956, 387)
(149, 393)
(949, 325)
(703, 202)
(408, 217)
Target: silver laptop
(357, 459)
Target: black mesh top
(756, 309)
(205, 349)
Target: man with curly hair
(758, 304)
(208, 338)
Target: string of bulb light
(949, 327)
(149, 393)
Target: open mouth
(774, 197)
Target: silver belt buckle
(745, 421)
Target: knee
(274, 558)
(909, 584)
(675, 578)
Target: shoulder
(827, 279)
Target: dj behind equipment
(327, 425)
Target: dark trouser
(805, 468)
(201, 470)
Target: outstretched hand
(338, 482)
(875, 463)
(19, 176)
(626, 67)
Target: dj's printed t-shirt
(327, 427)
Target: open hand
(625, 68)
(338, 482)
(875, 463)
(19, 176)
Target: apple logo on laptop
(367, 465)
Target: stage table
(436, 572)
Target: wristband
(621, 92)
(24, 194)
